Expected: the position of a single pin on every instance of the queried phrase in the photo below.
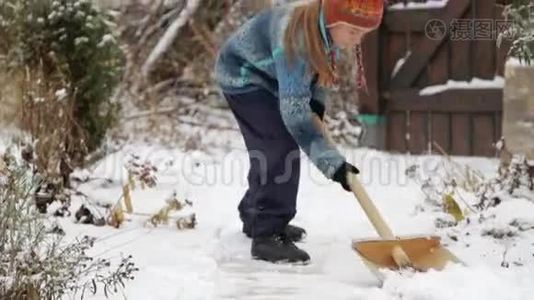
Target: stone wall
(518, 120)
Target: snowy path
(213, 261)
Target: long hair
(304, 27)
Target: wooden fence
(462, 121)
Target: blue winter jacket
(253, 58)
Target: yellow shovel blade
(424, 252)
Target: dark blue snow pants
(273, 179)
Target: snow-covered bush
(67, 65)
(465, 199)
(35, 260)
(462, 191)
(470, 207)
(521, 13)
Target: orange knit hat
(359, 13)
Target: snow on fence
(433, 88)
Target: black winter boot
(276, 249)
(292, 232)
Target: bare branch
(170, 35)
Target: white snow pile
(7, 134)
(515, 62)
(400, 63)
(212, 261)
(436, 4)
(475, 83)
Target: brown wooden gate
(461, 121)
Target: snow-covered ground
(212, 261)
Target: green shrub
(69, 64)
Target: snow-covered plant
(514, 179)
(516, 175)
(343, 127)
(143, 172)
(463, 192)
(67, 64)
(35, 260)
(171, 211)
(521, 15)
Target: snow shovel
(417, 253)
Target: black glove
(317, 107)
(340, 176)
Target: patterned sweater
(253, 58)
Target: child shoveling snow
(273, 72)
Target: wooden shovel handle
(361, 195)
(399, 256)
(370, 209)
